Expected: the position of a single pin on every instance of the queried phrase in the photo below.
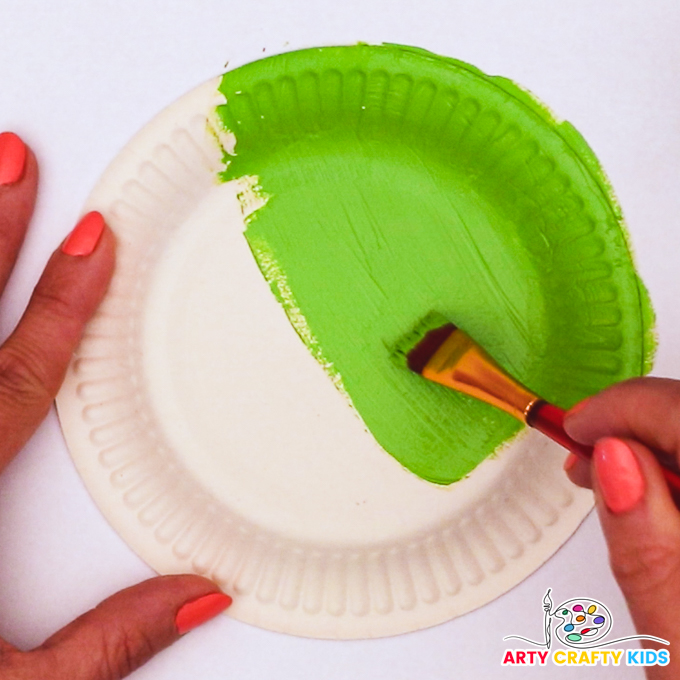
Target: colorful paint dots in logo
(582, 622)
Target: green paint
(399, 182)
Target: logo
(582, 624)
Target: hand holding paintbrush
(440, 351)
(625, 444)
(625, 424)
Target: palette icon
(582, 622)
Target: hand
(640, 521)
(124, 631)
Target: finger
(18, 186)
(642, 529)
(578, 471)
(645, 409)
(34, 359)
(126, 630)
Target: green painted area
(399, 182)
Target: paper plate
(215, 443)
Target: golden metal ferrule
(460, 363)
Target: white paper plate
(214, 443)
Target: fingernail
(12, 158)
(618, 474)
(576, 408)
(84, 238)
(570, 461)
(193, 614)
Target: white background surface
(78, 79)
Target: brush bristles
(421, 354)
(416, 348)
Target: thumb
(642, 528)
(126, 630)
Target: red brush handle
(549, 420)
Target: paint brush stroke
(398, 182)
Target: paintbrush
(443, 353)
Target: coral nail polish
(618, 474)
(193, 614)
(84, 238)
(12, 158)
(570, 461)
